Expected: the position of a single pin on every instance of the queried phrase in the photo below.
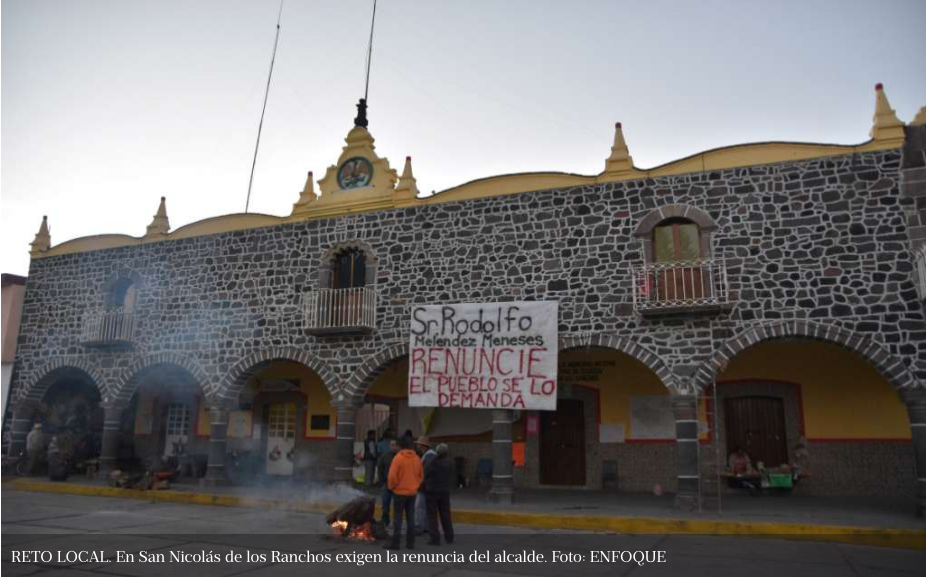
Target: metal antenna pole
(366, 88)
(264, 109)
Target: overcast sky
(106, 106)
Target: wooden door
(757, 424)
(562, 444)
(281, 438)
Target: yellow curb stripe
(872, 536)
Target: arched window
(121, 295)
(349, 269)
(676, 239)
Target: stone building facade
(795, 244)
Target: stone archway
(891, 367)
(236, 378)
(286, 398)
(363, 377)
(66, 396)
(628, 347)
(131, 377)
(35, 388)
(848, 441)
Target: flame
(362, 532)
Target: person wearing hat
(421, 506)
(438, 478)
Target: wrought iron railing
(115, 326)
(681, 285)
(920, 262)
(341, 310)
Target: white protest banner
(484, 356)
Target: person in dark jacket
(438, 479)
(386, 463)
(369, 458)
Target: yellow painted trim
(871, 536)
(340, 203)
(205, 227)
(225, 223)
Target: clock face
(355, 173)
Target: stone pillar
(346, 430)
(685, 408)
(215, 472)
(112, 422)
(20, 427)
(916, 409)
(502, 490)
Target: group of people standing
(416, 483)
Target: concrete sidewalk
(872, 522)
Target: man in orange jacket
(405, 477)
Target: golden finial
(42, 241)
(920, 118)
(307, 196)
(160, 225)
(620, 161)
(407, 189)
(885, 124)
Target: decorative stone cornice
(885, 124)
(406, 191)
(42, 241)
(160, 225)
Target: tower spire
(160, 224)
(885, 124)
(620, 161)
(42, 241)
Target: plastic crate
(780, 481)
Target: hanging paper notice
(484, 356)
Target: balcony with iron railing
(340, 311)
(693, 286)
(112, 327)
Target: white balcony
(920, 271)
(680, 287)
(108, 328)
(341, 311)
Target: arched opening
(345, 299)
(166, 425)
(71, 416)
(348, 268)
(677, 250)
(820, 419)
(283, 425)
(468, 432)
(621, 411)
(121, 295)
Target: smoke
(306, 485)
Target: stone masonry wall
(819, 241)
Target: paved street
(46, 522)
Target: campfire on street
(355, 520)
